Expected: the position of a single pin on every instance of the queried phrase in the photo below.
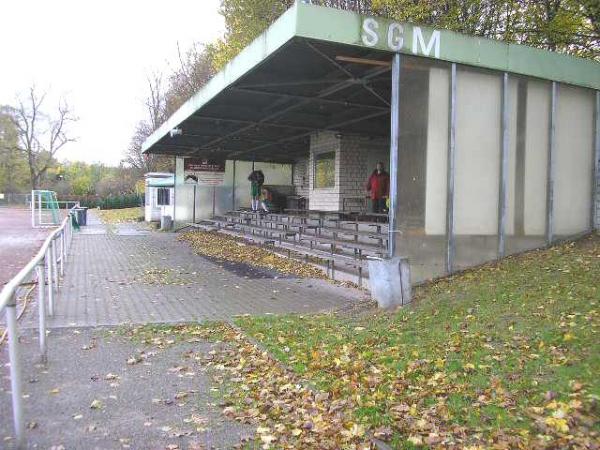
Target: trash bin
(81, 215)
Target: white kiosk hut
(492, 148)
(159, 197)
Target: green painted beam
(348, 28)
(336, 26)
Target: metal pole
(233, 189)
(214, 200)
(174, 189)
(62, 252)
(54, 264)
(40, 209)
(551, 162)
(32, 210)
(69, 232)
(47, 258)
(450, 238)
(15, 372)
(595, 222)
(41, 277)
(394, 149)
(503, 191)
(194, 208)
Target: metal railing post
(15, 371)
(54, 265)
(62, 253)
(45, 264)
(48, 260)
(41, 277)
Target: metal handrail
(48, 263)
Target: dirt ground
(19, 242)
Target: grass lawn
(121, 215)
(505, 356)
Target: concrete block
(389, 280)
(166, 223)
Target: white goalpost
(45, 211)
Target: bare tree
(156, 103)
(164, 98)
(156, 107)
(40, 135)
(195, 70)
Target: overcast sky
(98, 55)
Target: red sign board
(204, 171)
(203, 165)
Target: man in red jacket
(379, 187)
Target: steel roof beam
(315, 99)
(251, 122)
(328, 128)
(347, 72)
(324, 93)
(291, 83)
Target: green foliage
(244, 21)
(113, 201)
(504, 354)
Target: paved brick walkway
(117, 275)
(140, 408)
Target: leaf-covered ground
(164, 276)
(232, 248)
(124, 215)
(505, 356)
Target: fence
(110, 202)
(11, 199)
(49, 266)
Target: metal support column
(233, 189)
(394, 150)
(551, 163)
(595, 220)
(450, 238)
(174, 190)
(15, 372)
(503, 191)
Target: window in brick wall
(324, 170)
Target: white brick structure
(355, 159)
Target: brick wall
(355, 159)
(327, 199)
(359, 156)
(301, 177)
